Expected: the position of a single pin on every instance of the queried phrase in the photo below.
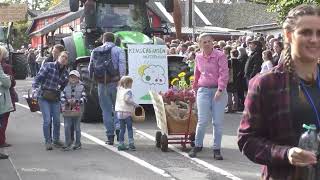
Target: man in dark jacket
(253, 65)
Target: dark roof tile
(62, 7)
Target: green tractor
(126, 18)
(17, 60)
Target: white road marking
(199, 161)
(122, 153)
(15, 169)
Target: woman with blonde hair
(281, 101)
(5, 98)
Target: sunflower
(174, 81)
(182, 74)
(191, 78)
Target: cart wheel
(164, 143)
(192, 138)
(158, 139)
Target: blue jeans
(107, 99)
(50, 113)
(68, 123)
(123, 123)
(209, 109)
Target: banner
(148, 66)
(13, 12)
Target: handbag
(50, 95)
(32, 102)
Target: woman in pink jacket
(211, 77)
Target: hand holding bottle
(300, 157)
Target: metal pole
(193, 21)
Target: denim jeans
(51, 114)
(123, 123)
(107, 98)
(210, 109)
(68, 123)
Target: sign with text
(13, 12)
(148, 66)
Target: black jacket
(253, 64)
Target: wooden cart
(173, 131)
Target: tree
(36, 4)
(282, 7)
(21, 37)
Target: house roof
(62, 7)
(210, 29)
(71, 16)
(235, 15)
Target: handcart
(173, 131)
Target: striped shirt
(76, 92)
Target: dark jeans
(3, 127)
(33, 69)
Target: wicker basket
(74, 112)
(32, 102)
(139, 114)
(177, 124)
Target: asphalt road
(30, 161)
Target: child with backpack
(72, 98)
(124, 108)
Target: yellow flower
(182, 74)
(191, 78)
(174, 81)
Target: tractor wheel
(70, 47)
(20, 65)
(158, 139)
(74, 5)
(164, 143)
(92, 111)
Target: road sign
(13, 12)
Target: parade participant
(47, 85)
(7, 69)
(72, 97)
(5, 99)
(210, 81)
(124, 109)
(281, 101)
(107, 75)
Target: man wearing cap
(253, 65)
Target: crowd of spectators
(247, 56)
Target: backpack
(103, 67)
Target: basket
(139, 114)
(71, 113)
(32, 102)
(178, 124)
